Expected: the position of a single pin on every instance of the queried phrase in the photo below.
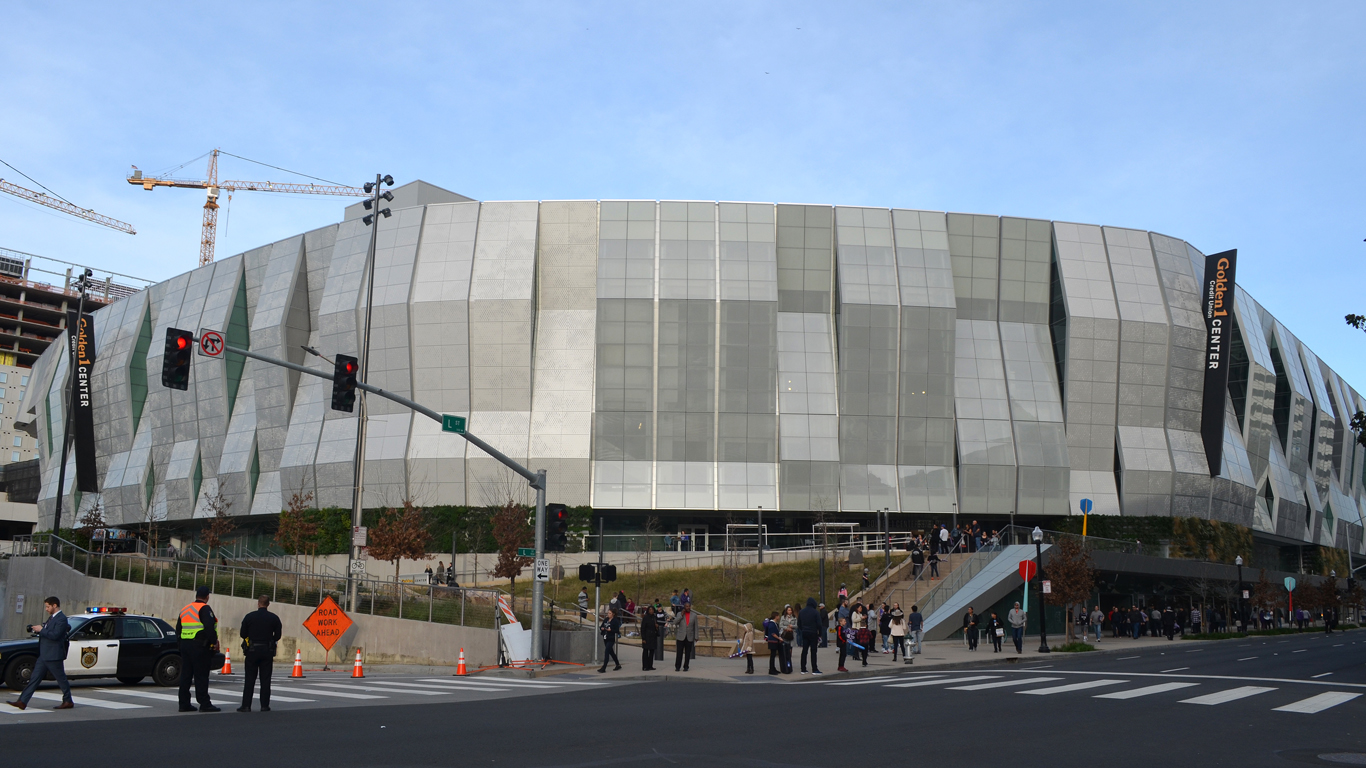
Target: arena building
(699, 360)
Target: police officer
(197, 629)
(260, 632)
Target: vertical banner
(1218, 306)
(82, 341)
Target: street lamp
(1242, 616)
(761, 535)
(1328, 620)
(1043, 607)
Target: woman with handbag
(775, 643)
(997, 631)
(897, 628)
(787, 630)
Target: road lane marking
(1325, 674)
(84, 702)
(1339, 645)
(231, 695)
(1126, 658)
(1045, 666)
(1174, 669)
(317, 692)
(1189, 676)
(502, 682)
(867, 680)
(1302, 650)
(1249, 658)
(1004, 683)
(942, 682)
(1072, 687)
(1148, 691)
(1196, 650)
(1232, 694)
(17, 711)
(376, 689)
(444, 687)
(140, 694)
(1318, 703)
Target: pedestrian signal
(609, 572)
(588, 572)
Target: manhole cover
(1344, 758)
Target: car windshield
(76, 622)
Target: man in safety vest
(197, 629)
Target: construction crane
(51, 201)
(214, 186)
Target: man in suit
(685, 634)
(261, 630)
(52, 650)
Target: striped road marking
(141, 694)
(229, 695)
(943, 682)
(1232, 694)
(7, 710)
(1004, 683)
(377, 689)
(1072, 687)
(494, 681)
(1318, 703)
(1148, 691)
(316, 692)
(84, 702)
(868, 680)
(443, 687)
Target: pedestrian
(675, 602)
(934, 566)
(997, 631)
(1135, 621)
(775, 644)
(1154, 622)
(825, 625)
(744, 646)
(197, 629)
(685, 635)
(943, 540)
(428, 573)
(787, 630)
(583, 603)
(261, 630)
(1168, 618)
(915, 624)
(1017, 619)
(450, 575)
(52, 651)
(898, 630)
(970, 629)
(863, 633)
(610, 630)
(1195, 620)
(917, 562)
(866, 581)
(1097, 623)
(649, 632)
(809, 625)
(686, 598)
(884, 627)
(440, 576)
(661, 627)
(844, 637)
(844, 591)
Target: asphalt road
(1273, 702)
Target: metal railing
(458, 606)
(956, 579)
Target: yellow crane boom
(208, 234)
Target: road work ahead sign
(328, 623)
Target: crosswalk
(91, 701)
(1044, 684)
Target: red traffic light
(181, 342)
(349, 366)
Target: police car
(105, 642)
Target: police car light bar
(105, 609)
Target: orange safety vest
(190, 625)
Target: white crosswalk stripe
(141, 694)
(231, 695)
(83, 701)
(1072, 687)
(495, 681)
(1318, 703)
(378, 689)
(919, 683)
(1147, 691)
(6, 710)
(1232, 694)
(867, 680)
(1005, 683)
(430, 686)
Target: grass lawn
(751, 591)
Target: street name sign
(526, 551)
(454, 424)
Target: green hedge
(472, 527)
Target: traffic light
(557, 527)
(344, 383)
(588, 572)
(175, 364)
(609, 572)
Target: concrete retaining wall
(383, 640)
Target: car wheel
(19, 672)
(131, 680)
(167, 672)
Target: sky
(1229, 125)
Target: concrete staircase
(900, 586)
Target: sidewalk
(935, 655)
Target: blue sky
(1231, 125)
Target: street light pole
(761, 535)
(1043, 605)
(1242, 617)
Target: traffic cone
(227, 662)
(358, 670)
(298, 664)
(460, 667)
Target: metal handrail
(955, 580)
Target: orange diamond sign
(328, 623)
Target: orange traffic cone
(358, 670)
(298, 664)
(460, 667)
(227, 662)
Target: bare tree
(1072, 574)
(295, 530)
(91, 521)
(220, 523)
(512, 531)
(400, 533)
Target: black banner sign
(82, 402)
(1218, 306)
